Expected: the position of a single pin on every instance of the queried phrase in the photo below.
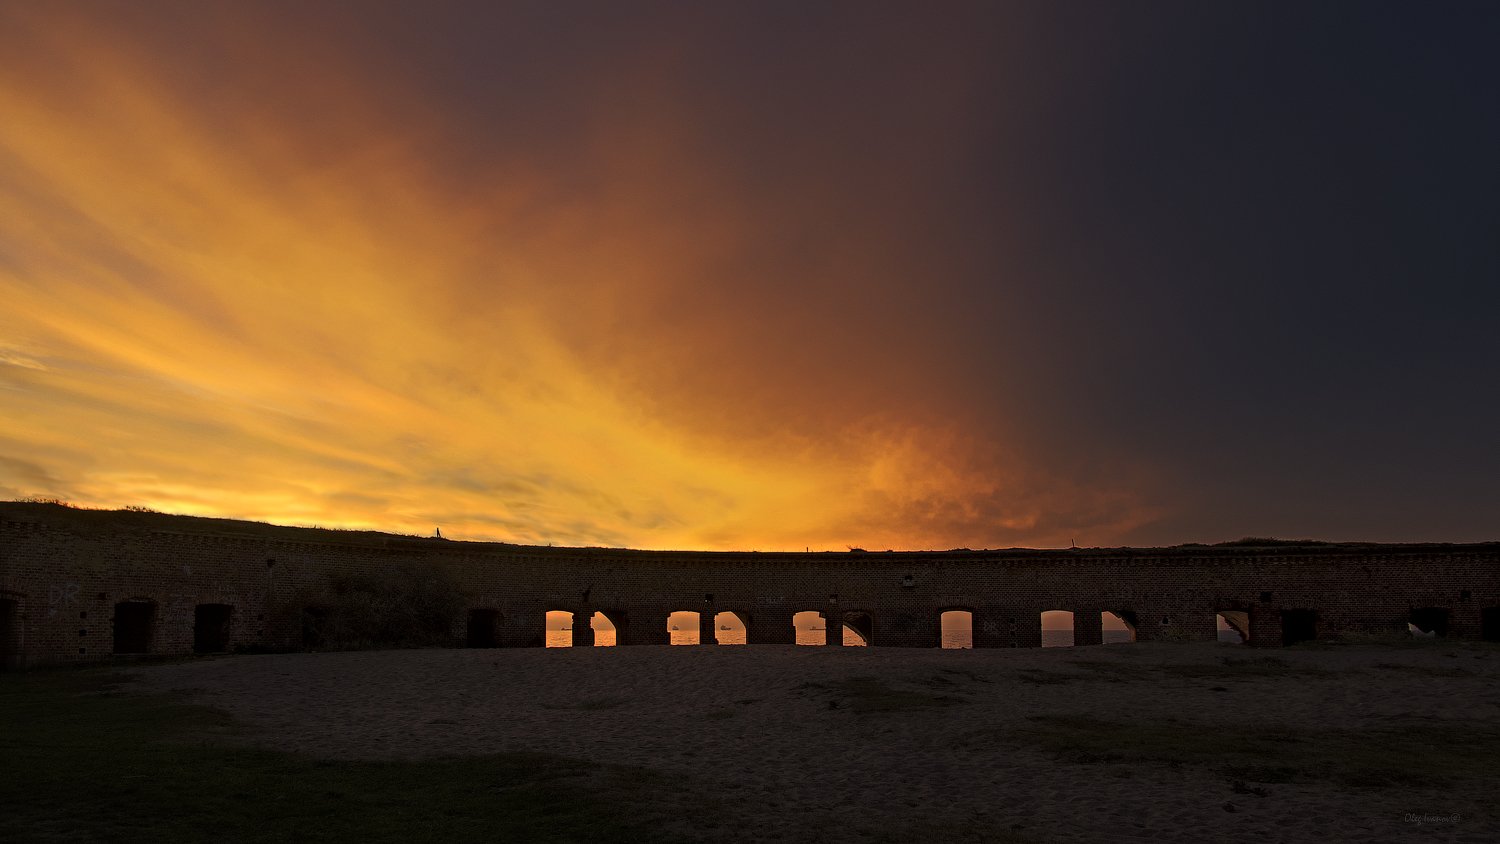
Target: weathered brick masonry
(68, 576)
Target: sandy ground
(779, 740)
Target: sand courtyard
(1146, 741)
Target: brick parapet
(64, 571)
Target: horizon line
(1246, 543)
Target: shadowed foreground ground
(1137, 742)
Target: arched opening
(957, 629)
(858, 629)
(1115, 629)
(482, 631)
(559, 629)
(1428, 622)
(729, 629)
(1057, 629)
(606, 632)
(134, 621)
(1298, 626)
(682, 627)
(211, 628)
(1233, 626)
(10, 633)
(809, 627)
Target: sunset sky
(758, 275)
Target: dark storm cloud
(1251, 247)
(1271, 265)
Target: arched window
(810, 628)
(1115, 628)
(1234, 626)
(682, 627)
(730, 629)
(559, 629)
(606, 634)
(1057, 629)
(956, 628)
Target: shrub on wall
(403, 607)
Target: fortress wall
(62, 574)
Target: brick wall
(63, 572)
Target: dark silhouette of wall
(65, 570)
(10, 633)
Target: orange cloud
(277, 307)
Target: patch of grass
(1043, 677)
(1114, 671)
(591, 705)
(1226, 668)
(1257, 773)
(867, 695)
(969, 675)
(79, 760)
(1395, 640)
(602, 703)
(1267, 542)
(1424, 670)
(1433, 755)
(973, 829)
(1229, 667)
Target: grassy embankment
(1416, 754)
(82, 760)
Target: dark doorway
(10, 634)
(1489, 624)
(1432, 620)
(211, 628)
(314, 627)
(482, 624)
(133, 622)
(1298, 626)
